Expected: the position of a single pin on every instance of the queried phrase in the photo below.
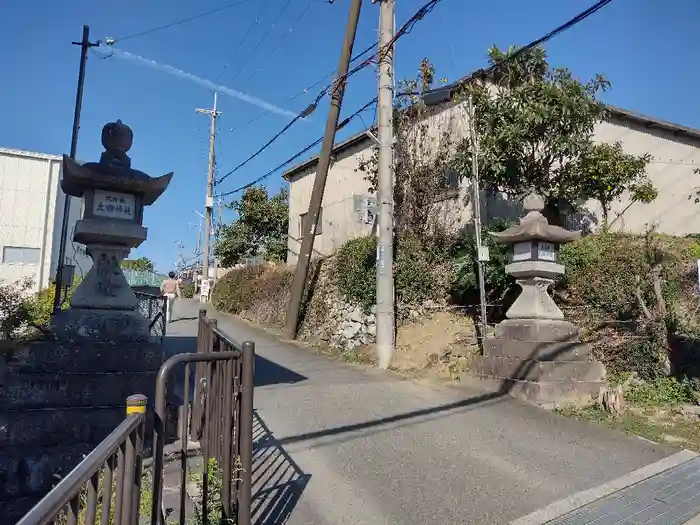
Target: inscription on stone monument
(114, 205)
(546, 251)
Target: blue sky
(645, 48)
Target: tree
(535, 127)
(142, 264)
(261, 227)
(421, 158)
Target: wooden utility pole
(311, 222)
(84, 44)
(209, 202)
(385, 188)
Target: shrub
(188, 290)
(354, 271)
(501, 289)
(233, 291)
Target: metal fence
(154, 308)
(89, 494)
(220, 418)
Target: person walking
(170, 288)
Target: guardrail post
(135, 405)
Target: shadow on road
(278, 482)
(270, 373)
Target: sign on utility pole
(209, 200)
(385, 188)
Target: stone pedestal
(541, 360)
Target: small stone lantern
(534, 261)
(114, 196)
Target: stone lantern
(114, 196)
(535, 353)
(534, 261)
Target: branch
(640, 299)
(656, 282)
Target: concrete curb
(575, 501)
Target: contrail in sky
(203, 82)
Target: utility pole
(180, 246)
(309, 228)
(209, 202)
(217, 231)
(385, 188)
(84, 44)
(482, 252)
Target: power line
(209, 12)
(255, 21)
(263, 62)
(262, 40)
(469, 78)
(287, 162)
(405, 29)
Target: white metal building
(31, 211)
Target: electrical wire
(262, 40)
(178, 22)
(287, 162)
(406, 28)
(263, 62)
(255, 21)
(476, 74)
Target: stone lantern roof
(534, 226)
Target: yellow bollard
(136, 404)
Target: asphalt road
(343, 444)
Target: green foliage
(500, 287)
(16, 307)
(188, 291)
(662, 391)
(535, 127)
(234, 291)
(214, 485)
(354, 271)
(142, 264)
(261, 228)
(422, 269)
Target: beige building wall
(31, 211)
(671, 171)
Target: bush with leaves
(16, 308)
(188, 291)
(233, 292)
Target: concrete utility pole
(180, 246)
(482, 252)
(84, 44)
(209, 202)
(309, 231)
(385, 188)
(217, 231)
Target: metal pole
(209, 202)
(477, 214)
(84, 46)
(309, 233)
(385, 188)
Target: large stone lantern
(535, 353)
(114, 196)
(534, 261)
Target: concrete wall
(671, 171)
(31, 211)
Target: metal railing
(88, 493)
(154, 308)
(220, 418)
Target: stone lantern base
(540, 360)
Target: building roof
(441, 95)
(28, 154)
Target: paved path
(339, 444)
